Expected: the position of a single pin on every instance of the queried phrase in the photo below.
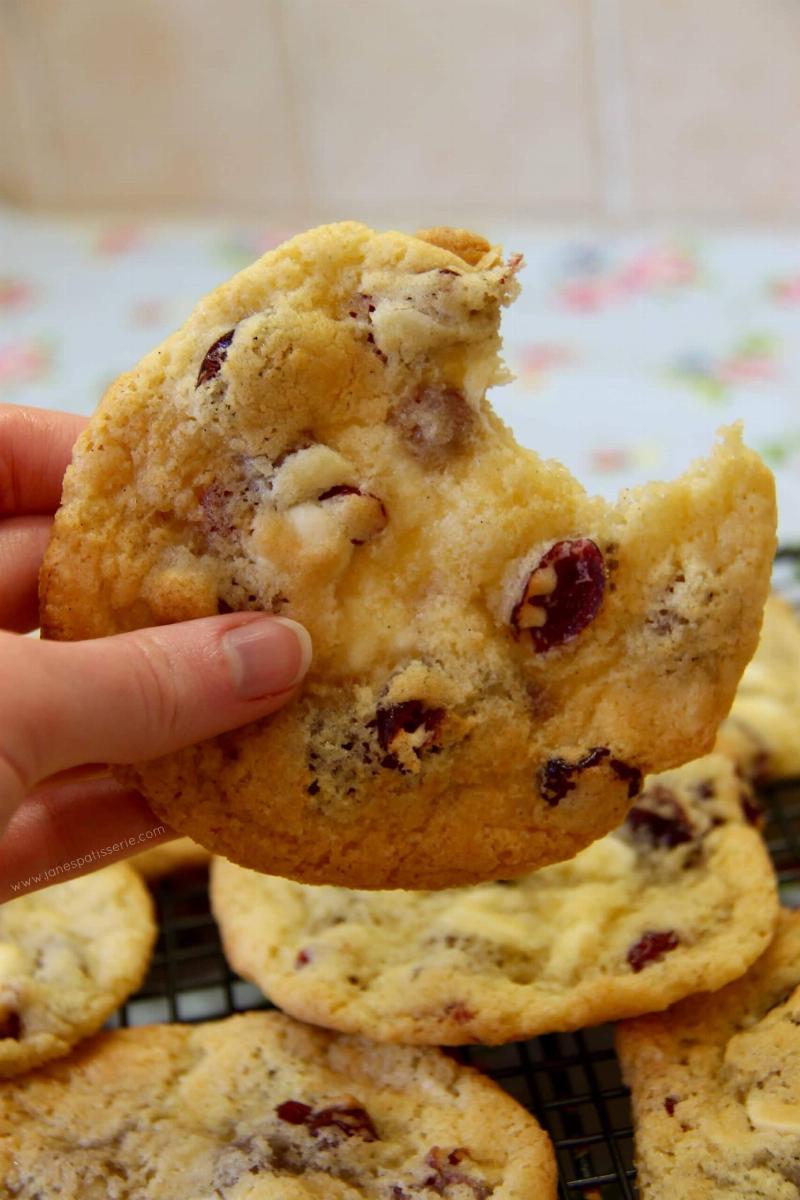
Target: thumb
(138, 695)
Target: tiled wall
(425, 108)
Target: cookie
(259, 1106)
(762, 733)
(681, 897)
(498, 656)
(170, 858)
(69, 956)
(716, 1085)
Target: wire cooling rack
(570, 1082)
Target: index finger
(35, 450)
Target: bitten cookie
(170, 858)
(762, 733)
(498, 656)
(259, 1107)
(716, 1085)
(69, 955)
(681, 898)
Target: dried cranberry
(408, 717)
(350, 1119)
(628, 774)
(751, 809)
(459, 1012)
(562, 595)
(11, 1026)
(651, 946)
(211, 365)
(557, 776)
(669, 1104)
(659, 819)
(303, 959)
(294, 1112)
(341, 489)
(447, 1173)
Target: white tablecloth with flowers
(629, 350)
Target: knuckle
(158, 689)
(15, 783)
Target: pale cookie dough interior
(259, 1107)
(69, 956)
(716, 1085)
(682, 897)
(498, 656)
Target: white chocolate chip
(767, 1112)
(12, 962)
(307, 473)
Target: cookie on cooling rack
(498, 656)
(716, 1085)
(762, 732)
(169, 858)
(69, 955)
(681, 898)
(260, 1106)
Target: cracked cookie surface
(762, 732)
(69, 955)
(716, 1085)
(681, 897)
(498, 656)
(259, 1107)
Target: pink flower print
(587, 295)
(659, 267)
(786, 291)
(593, 286)
(536, 361)
(608, 460)
(118, 239)
(16, 293)
(24, 362)
(751, 362)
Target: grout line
(613, 107)
(298, 142)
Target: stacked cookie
(513, 689)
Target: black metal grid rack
(570, 1082)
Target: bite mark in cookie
(317, 441)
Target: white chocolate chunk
(307, 473)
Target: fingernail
(267, 656)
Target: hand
(122, 699)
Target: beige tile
(153, 102)
(441, 107)
(714, 93)
(15, 165)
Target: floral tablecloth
(629, 350)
